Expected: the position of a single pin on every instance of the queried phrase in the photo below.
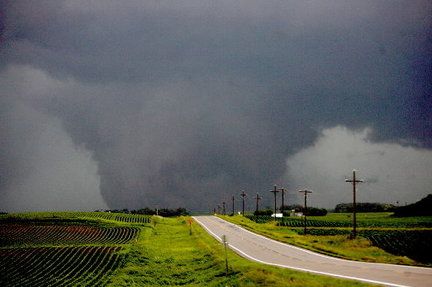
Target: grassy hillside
(421, 207)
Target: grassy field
(168, 255)
(365, 220)
(83, 249)
(382, 238)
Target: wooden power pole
(258, 198)
(233, 199)
(354, 181)
(243, 195)
(305, 207)
(283, 199)
(274, 191)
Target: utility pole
(305, 207)
(223, 208)
(258, 198)
(225, 243)
(274, 191)
(233, 199)
(354, 181)
(243, 195)
(283, 199)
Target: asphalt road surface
(261, 249)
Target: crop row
(315, 223)
(122, 217)
(328, 222)
(63, 266)
(296, 222)
(299, 221)
(416, 244)
(25, 234)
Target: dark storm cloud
(191, 102)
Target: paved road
(268, 251)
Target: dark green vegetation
(165, 212)
(422, 207)
(409, 237)
(311, 211)
(64, 249)
(364, 207)
(107, 249)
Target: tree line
(165, 212)
(365, 207)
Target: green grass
(360, 249)
(167, 254)
(407, 236)
(377, 219)
(364, 220)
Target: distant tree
(144, 211)
(315, 211)
(365, 207)
(181, 211)
(286, 209)
(264, 212)
(166, 212)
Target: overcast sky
(126, 104)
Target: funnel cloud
(108, 104)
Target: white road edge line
(291, 267)
(322, 255)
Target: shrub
(263, 212)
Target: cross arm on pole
(357, 180)
(275, 190)
(306, 191)
(354, 179)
